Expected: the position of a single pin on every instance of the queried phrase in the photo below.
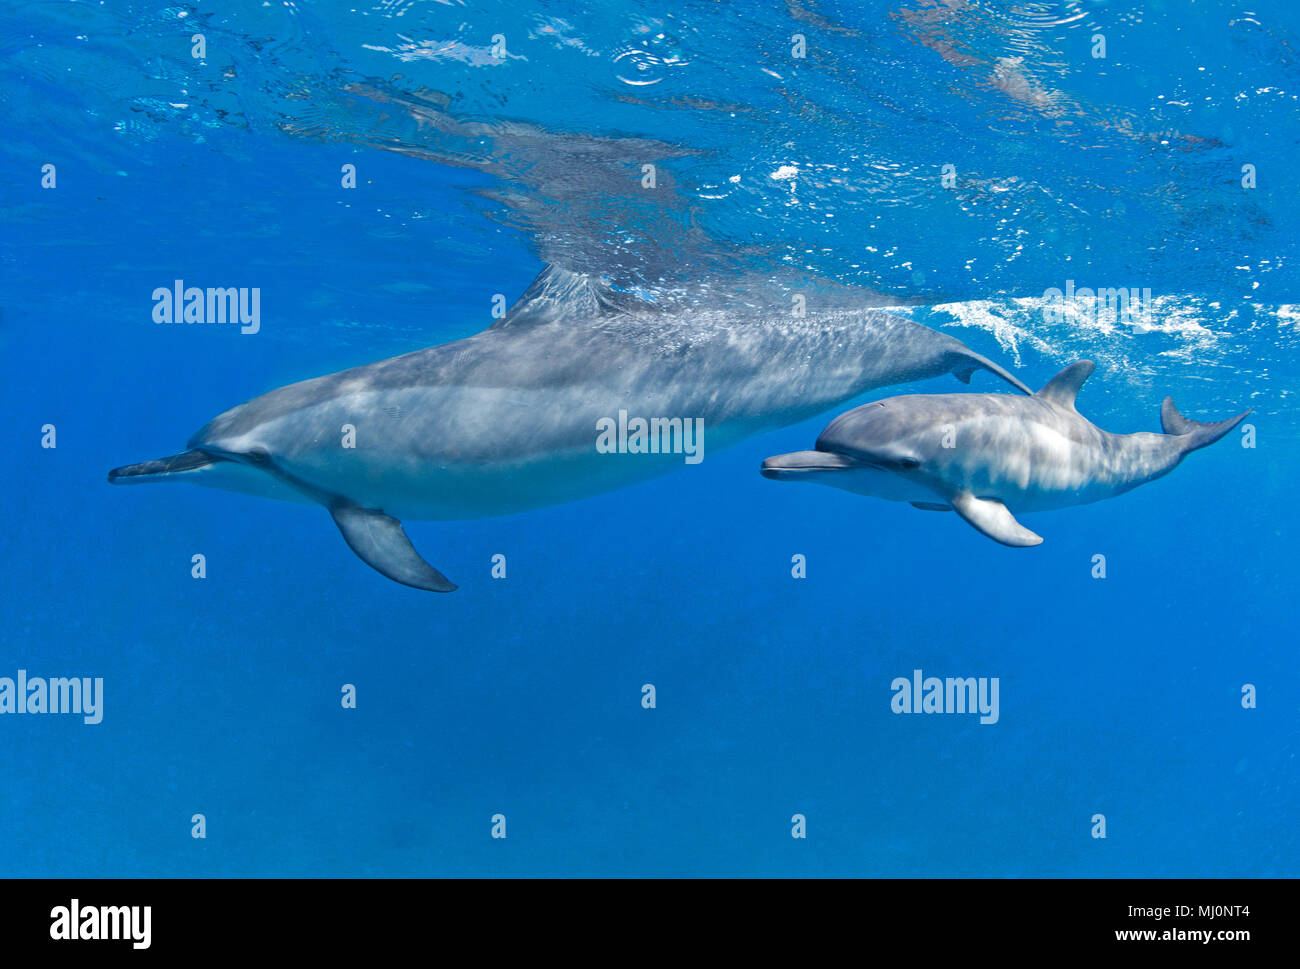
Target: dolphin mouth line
(779, 472)
(807, 462)
(191, 460)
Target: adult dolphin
(987, 456)
(510, 419)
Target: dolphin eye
(909, 464)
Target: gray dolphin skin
(989, 455)
(507, 420)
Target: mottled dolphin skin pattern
(987, 456)
(506, 420)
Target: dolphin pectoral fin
(930, 505)
(991, 517)
(381, 543)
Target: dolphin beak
(803, 464)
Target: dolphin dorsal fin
(1064, 387)
(560, 294)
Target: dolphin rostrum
(508, 419)
(989, 455)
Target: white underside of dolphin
(989, 456)
(507, 420)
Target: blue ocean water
(492, 139)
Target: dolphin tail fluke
(381, 543)
(969, 361)
(162, 468)
(1196, 435)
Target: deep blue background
(1118, 696)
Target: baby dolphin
(985, 455)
